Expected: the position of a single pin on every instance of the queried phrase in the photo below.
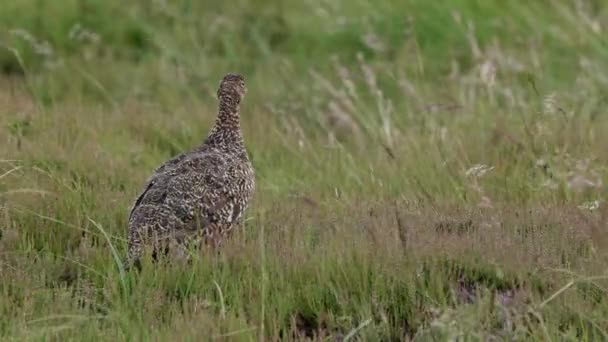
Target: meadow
(426, 170)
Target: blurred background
(384, 76)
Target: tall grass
(425, 170)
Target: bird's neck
(228, 113)
(227, 128)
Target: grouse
(198, 196)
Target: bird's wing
(157, 177)
(205, 189)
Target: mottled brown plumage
(200, 195)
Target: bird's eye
(242, 84)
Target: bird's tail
(129, 263)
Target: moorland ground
(425, 169)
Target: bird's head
(232, 88)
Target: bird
(198, 196)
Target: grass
(425, 170)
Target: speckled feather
(198, 195)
